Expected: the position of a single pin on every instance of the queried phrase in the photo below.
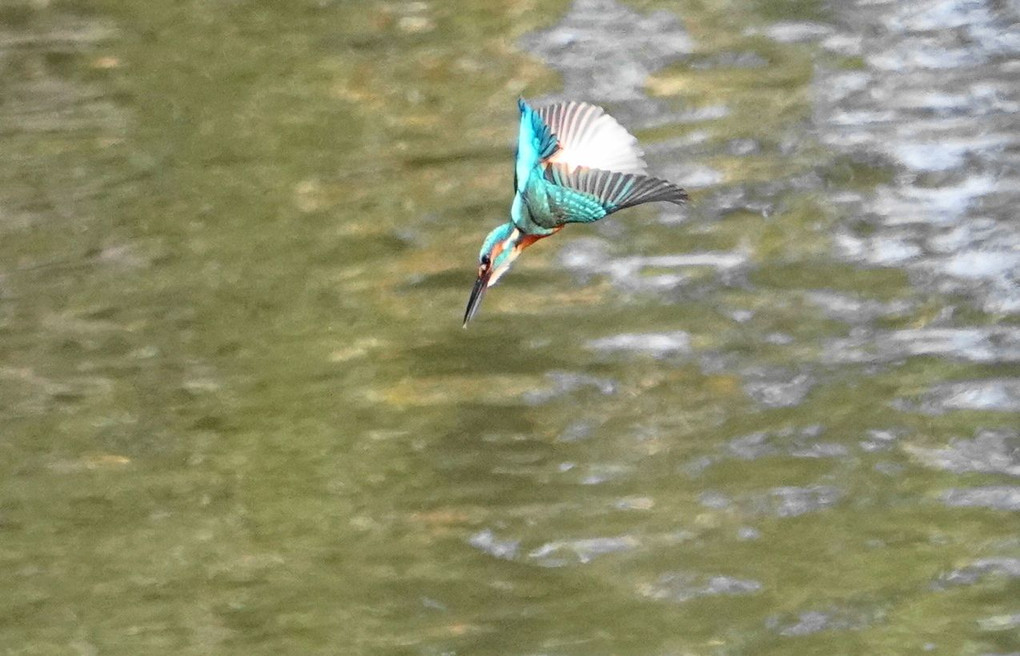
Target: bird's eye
(486, 261)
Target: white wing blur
(589, 137)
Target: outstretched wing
(576, 164)
(535, 143)
(575, 192)
(587, 136)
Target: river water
(240, 415)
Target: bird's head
(500, 249)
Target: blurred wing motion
(587, 136)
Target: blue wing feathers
(550, 194)
(569, 206)
(535, 143)
(613, 189)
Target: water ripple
(994, 497)
(989, 452)
(679, 587)
(986, 344)
(641, 45)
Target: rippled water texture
(241, 417)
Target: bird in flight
(575, 164)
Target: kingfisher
(575, 164)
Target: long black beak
(477, 292)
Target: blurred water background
(239, 414)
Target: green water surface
(240, 415)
